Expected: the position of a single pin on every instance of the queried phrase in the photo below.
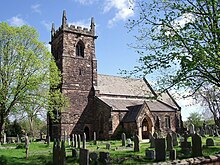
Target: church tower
(73, 48)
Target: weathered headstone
(210, 142)
(73, 140)
(108, 146)
(185, 145)
(84, 140)
(79, 140)
(104, 157)
(94, 138)
(83, 156)
(160, 149)
(169, 139)
(123, 139)
(129, 143)
(172, 155)
(175, 141)
(150, 154)
(191, 129)
(26, 146)
(74, 153)
(136, 143)
(196, 145)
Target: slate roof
(120, 86)
(132, 114)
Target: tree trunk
(2, 125)
(31, 126)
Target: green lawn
(40, 153)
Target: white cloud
(86, 2)
(16, 21)
(46, 24)
(36, 8)
(123, 10)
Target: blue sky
(112, 50)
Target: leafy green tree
(181, 38)
(26, 67)
(195, 118)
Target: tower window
(167, 121)
(80, 49)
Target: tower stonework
(73, 48)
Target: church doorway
(145, 129)
(86, 131)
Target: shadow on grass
(32, 160)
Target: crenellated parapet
(73, 28)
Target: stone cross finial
(92, 26)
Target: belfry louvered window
(80, 49)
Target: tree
(181, 38)
(210, 100)
(26, 67)
(195, 118)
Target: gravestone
(185, 145)
(210, 142)
(94, 157)
(4, 138)
(175, 141)
(202, 132)
(169, 139)
(75, 140)
(150, 154)
(62, 153)
(69, 142)
(196, 145)
(83, 156)
(172, 155)
(74, 153)
(136, 143)
(129, 143)
(84, 140)
(94, 138)
(104, 157)
(78, 140)
(108, 146)
(191, 129)
(160, 149)
(65, 136)
(152, 141)
(123, 139)
(26, 145)
(18, 139)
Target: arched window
(80, 49)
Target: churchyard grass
(41, 154)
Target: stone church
(105, 104)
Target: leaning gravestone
(196, 145)
(136, 143)
(210, 142)
(123, 139)
(83, 156)
(169, 139)
(160, 149)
